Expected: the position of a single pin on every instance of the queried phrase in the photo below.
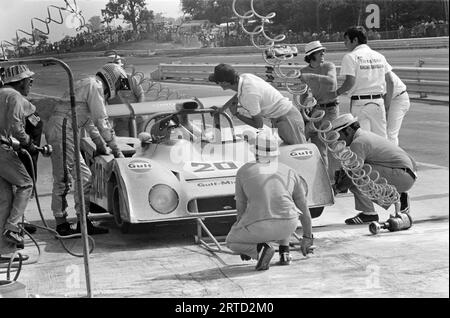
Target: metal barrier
(417, 79)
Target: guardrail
(422, 80)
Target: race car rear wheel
(119, 205)
(316, 212)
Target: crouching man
(269, 198)
(389, 160)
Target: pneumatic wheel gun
(398, 222)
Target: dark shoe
(362, 218)
(4, 259)
(265, 257)
(92, 229)
(65, 229)
(404, 202)
(30, 228)
(285, 259)
(245, 257)
(12, 237)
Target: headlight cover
(163, 199)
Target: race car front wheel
(118, 206)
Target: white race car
(184, 167)
(281, 51)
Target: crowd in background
(213, 36)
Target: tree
(95, 23)
(128, 10)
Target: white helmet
(113, 74)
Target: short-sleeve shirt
(376, 150)
(259, 97)
(368, 67)
(267, 195)
(319, 87)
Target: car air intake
(202, 205)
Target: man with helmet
(17, 81)
(122, 88)
(91, 93)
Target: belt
(335, 103)
(410, 172)
(356, 97)
(401, 93)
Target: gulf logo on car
(301, 153)
(139, 166)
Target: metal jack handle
(84, 233)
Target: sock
(283, 249)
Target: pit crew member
(261, 100)
(269, 197)
(389, 160)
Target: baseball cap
(16, 73)
(312, 47)
(223, 73)
(343, 121)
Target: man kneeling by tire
(269, 198)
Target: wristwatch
(312, 236)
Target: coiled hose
(368, 181)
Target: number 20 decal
(206, 167)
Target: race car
(184, 165)
(281, 51)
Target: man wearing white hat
(389, 160)
(17, 80)
(321, 79)
(269, 199)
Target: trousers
(291, 127)
(399, 107)
(244, 239)
(399, 178)
(59, 134)
(371, 115)
(12, 204)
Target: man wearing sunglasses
(17, 81)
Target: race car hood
(196, 161)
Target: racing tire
(118, 205)
(316, 212)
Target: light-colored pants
(371, 115)
(399, 106)
(59, 135)
(291, 127)
(244, 239)
(331, 113)
(13, 173)
(399, 178)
